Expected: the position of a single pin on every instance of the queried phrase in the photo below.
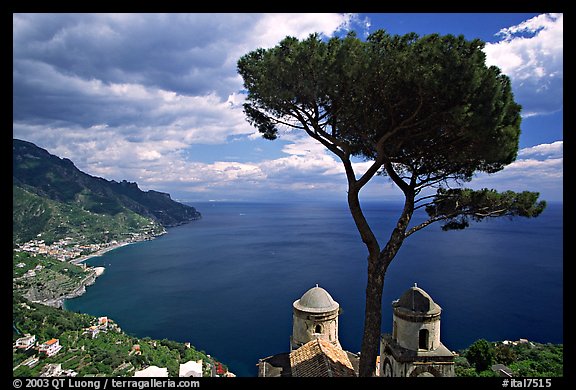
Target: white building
(51, 370)
(191, 369)
(50, 347)
(152, 371)
(26, 342)
(92, 331)
(103, 323)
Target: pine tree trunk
(372, 318)
(377, 267)
(378, 263)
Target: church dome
(316, 300)
(417, 300)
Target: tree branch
(425, 197)
(287, 124)
(320, 136)
(319, 131)
(416, 112)
(495, 213)
(369, 174)
(491, 214)
(423, 205)
(426, 223)
(432, 180)
(395, 178)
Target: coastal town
(69, 249)
(49, 273)
(58, 356)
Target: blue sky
(156, 99)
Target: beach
(99, 271)
(100, 252)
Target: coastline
(59, 302)
(100, 252)
(90, 279)
(96, 271)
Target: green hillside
(53, 198)
(111, 353)
(52, 279)
(520, 358)
(34, 216)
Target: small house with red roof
(50, 347)
(103, 323)
(92, 331)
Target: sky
(156, 99)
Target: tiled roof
(320, 358)
(50, 342)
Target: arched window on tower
(318, 328)
(423, 339)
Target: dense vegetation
(53, 279)
(51, 196)
(523, 359)
(111, 353)
(34, 215)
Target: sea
(226, 283)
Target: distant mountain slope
(44, 183)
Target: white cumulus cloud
(538, 168)
(532, 53)
(553, 150)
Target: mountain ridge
(55, 186)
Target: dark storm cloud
(63, 63)
(71, 67)
(184, 53)
(124, 96)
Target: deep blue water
(226, 283)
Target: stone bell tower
(414, 348)
(315, 316)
